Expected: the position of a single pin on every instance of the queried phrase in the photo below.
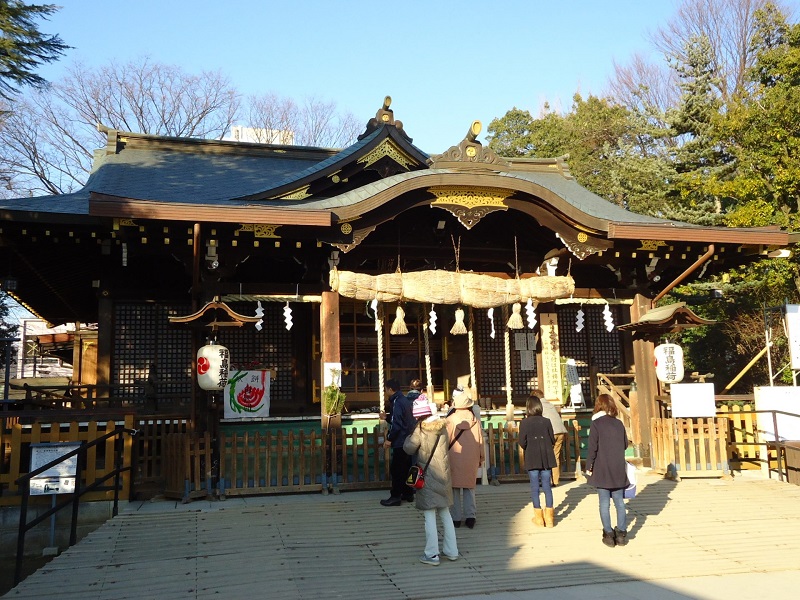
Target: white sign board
(779, 398)
(247, 395)
(793, 331)
(693, 400)
(59, 479)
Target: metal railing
(25, 481)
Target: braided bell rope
(381, 388)
(428, 377)
(471, 344)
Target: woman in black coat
(606, 467)
(537, 440)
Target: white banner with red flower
(247, 394)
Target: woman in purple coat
(606, 467)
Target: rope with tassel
(399, 325)
(515, 320)
(428, 376)
(509, 390)
(381, 375)
(471, 344)
(458, 327)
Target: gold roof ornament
(469, 154)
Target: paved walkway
(700, 538)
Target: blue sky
(444, 63)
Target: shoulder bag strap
(432, 452)
(455, 439)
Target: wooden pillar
(105, 342)
(643, 403)
(329, 336)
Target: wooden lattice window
(491, 357)
(593, 345)
(271, 347)
(404, 355)
(145, 341)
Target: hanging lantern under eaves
(669, 363)
(213, 362)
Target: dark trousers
(401, 463)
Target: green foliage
(612, 151)
(23, 47)
(332, 396)
(8, 329)
(708, 158)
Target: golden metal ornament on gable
(581, 245)
(387, 148)
(470, 205)
(260, 230)
(125, 223)
(651, 244)
(358, 237)
(298, 194)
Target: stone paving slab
(699, 538)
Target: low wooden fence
(16, 437)
(744, 448)
(149, 451)
(19, 429)
(507, 459)
(690, 447)
(300, 461)
(188, 465)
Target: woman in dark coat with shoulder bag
(537, 439)
(606, 467)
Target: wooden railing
(149, 449)
(18, 429)
(506, 458)
(62, 396)
(16, 437)
(618, 386)
(299, 461)
(271, 462)
(690, 447)
(188, 466)
(744, 448)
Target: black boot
(608, 538)
(620, 537)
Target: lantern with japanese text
(669, 363)
(213, 362)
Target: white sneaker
(429, 560)
(448, 557)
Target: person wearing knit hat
(401, 425)
(428, 441)
(466, 455)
